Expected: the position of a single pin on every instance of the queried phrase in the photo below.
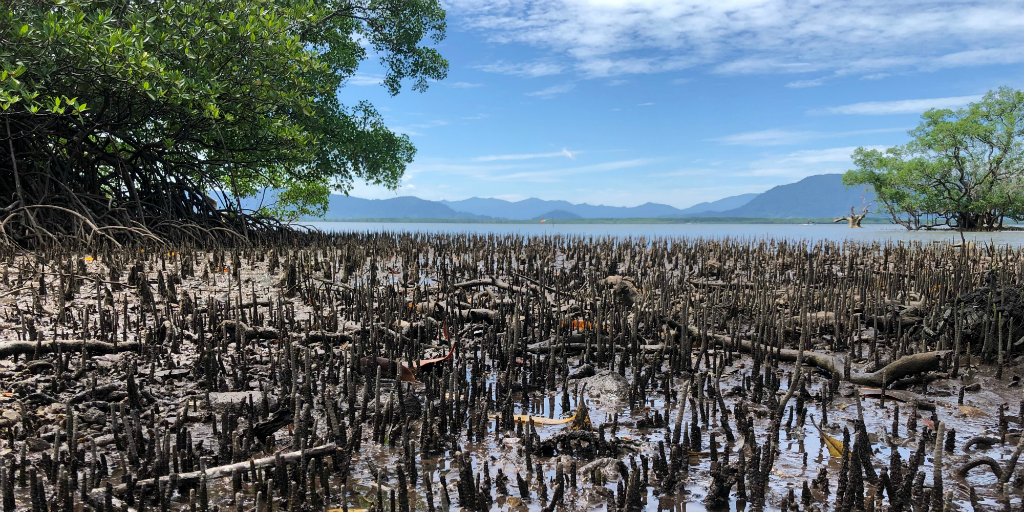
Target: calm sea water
(836, 232)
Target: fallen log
(248, 333)
(193, 477)
(575, 345)
(478, 315)
(11, 348)
(985, 441)
(905, 366)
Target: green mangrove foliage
(963, 168)
(124, 117)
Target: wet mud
(402, 372)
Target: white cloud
(782, 137)
(800, 164)
(464, 85)
(510, 197)
(772, 137)
(800, 84)
(982, 57)
(648, 104)
(527, 69)
(550, 92)
(899, 106)
(752, 65)
(817, 156)
(529, 156)
(416, 129)
(614, 37)
(364, 80)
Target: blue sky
(682, 101)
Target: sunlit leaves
(963, 168)
(238, 94)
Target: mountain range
(819, 196)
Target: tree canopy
(963, 169)
(125, 116)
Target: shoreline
(695, 220)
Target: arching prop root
(906, 366)
(1003, 474)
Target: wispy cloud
(529, 156)
(752, 65)
(464, 85)
(772, 137)
(364, 80)
(604, 38)
(876, 108)
(527, 69)
(803, 163)
(800, 84)
(983, 57)
(782, 137)
(647, 104)
(551, 92)
(417, 128)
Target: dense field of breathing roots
(438, 372)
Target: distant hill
(405, 207)
(532, 208)
(721, 205)
(558, 215)
(819, 196)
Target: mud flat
(402, 372)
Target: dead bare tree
(854, 219)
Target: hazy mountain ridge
(403, 207)
(558, 215)
(721, 205)
(819, 196)
(533, 208)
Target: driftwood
(248, 333)
(574, 345)
(905, 366)
(226, 470)
(985, 441)
(267, 333)
(478, 315)
(500, 284)
(11, 348)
